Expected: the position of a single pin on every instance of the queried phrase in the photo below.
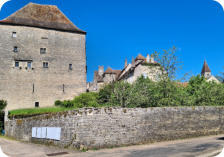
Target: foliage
(169, 63)
(37, 111)
(86, 100)
(3, 104)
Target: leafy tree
(86, 100)
(120, 93)
(3, 104)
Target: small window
(15, 49)
(14, 35)
(45, 64)
(43, 50)
(16, 64)
(37, 104)
(70, 66)
(29, 65)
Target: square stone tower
(43, 57)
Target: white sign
(53, 133)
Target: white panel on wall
(34, 132)
(43, 132)
(38, 132)
(54, 133)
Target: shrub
(3, 104)
(86, 100)
(67, 104)
(58, 103)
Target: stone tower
(206, 72)
(43, 57)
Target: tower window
(14, 35)
(37, 104)
(43, 50)
(45, 64)
(70, 66)
(16, 64)
(15, 49)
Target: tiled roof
(42, 16)
(205, 68)
(140, 57)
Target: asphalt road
(197, 147)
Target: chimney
(126, 63)
(101, 70)
(152, 59)
(133, 62)
(148, 59)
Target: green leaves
(3, 104)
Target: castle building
(140, 66)
(207, 73)
(43, 57)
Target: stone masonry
(109, 127)
(43, 58)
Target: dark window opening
(15, 49)
(63, 88)
(37, 104)
(16, 64)
(43, 50)
(70, 66)
(45, 64)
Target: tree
(169, 63)
(3, 104)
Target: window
(37, 104)
(14, 34)
(15, 49)
(43, 50)
(45, 64)
(70, 66)
(29, 65)
(16, 64)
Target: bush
(68, 104)
(58, 103)
(86, 100)
(3, 104)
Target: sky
(119, 29)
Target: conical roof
(42, 16)
(205, 68)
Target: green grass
(37, 111)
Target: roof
(111, 71)
(139, 57)
(205, 68)
(41, 16)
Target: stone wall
(106, 127)
(22, 86)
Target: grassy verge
(37, 111)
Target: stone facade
(40, 65)
(107, 127)
(141, 66)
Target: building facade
(207, 73)
(140, 66)
(43, 57)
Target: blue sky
(119, 29)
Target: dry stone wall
(107, 127)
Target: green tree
(120, 93)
